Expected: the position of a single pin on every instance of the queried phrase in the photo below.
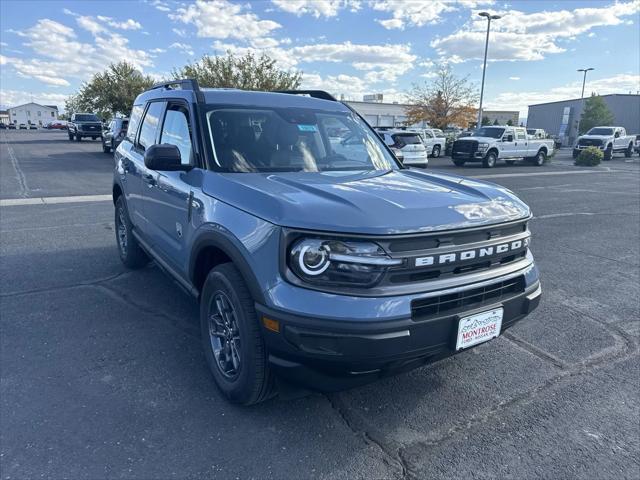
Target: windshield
(86, 118)
(489, 132)
(600, 131)
(294, 139)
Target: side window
(134, 121)
(149, 127)
(521, 135)
(175, 131)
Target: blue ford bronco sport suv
(314, 257)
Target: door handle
(150, 181)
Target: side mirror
(164, 157)
(617, 134)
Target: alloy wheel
(122, 231)
(224, 335)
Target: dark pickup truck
(84, 125)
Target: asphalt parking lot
(102, 374)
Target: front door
(521, 146)
(508, 144)
(167, 205)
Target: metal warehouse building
(562, 118)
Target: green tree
(510, 123)
(485, 121)
(495, 122)
(110, 92)
(595, 113)
(445, 101)
(247, 72)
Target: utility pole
(489, 17)
(584, 79)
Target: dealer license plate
(479, 328)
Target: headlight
(339, 263)
(483, 146)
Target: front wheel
(490, 160)
(105, 148)
(608, 153)
(435, 153)
(70, 136)
(576, 153)
(231, 338)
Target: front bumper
(338, 353)
(469, 156)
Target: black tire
(252, 380)
(105, 147)
(608, 153)
(435, 153)
(459, 163)
(576, 153)
(629, 151)
(129, 249)
(490, 160)
(93, 138)
(70, 137)
(510, 162)
(539, 159)
(78, 138)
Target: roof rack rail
(321, 94)
(184, 84)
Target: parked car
(33, 126)
(83, 125)
(409, 143)
(637, 145)
(2, 126)
(434, 140)
(331, 269)
(22, 126)
(57, 125)
(608, 139)
(114, 134)
(11, 126)
(490, 144)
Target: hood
(374, 202)
(479, 139)
(594, 137)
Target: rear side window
(149, 128)
(521, 135)
(402, 139)
(134, 121)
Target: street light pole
(484, 67)
(584, 79)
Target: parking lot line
(15, 202)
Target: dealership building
(379, 114)
(562, 118)
(33, 114)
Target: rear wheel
(130, 251)
(231, 338)
(490, 160)
(70, 136)
(459, 163)
(608, 153)
(435, 153)
(629, 151)
(539, 159)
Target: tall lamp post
(584, 79)
(484, 68)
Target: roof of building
(34, 103)
(576, 99)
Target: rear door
(167, 206)
(521, 144)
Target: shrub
(589, 157)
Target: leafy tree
(595, 113)
(247, 72)
(510, 122)
(495, 122)
(110, 92)
(485, 121)
(445, 101)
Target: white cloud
(222, 19)
(529, 36)
(620, 83)
(317, 8)
(160, 5)
(183, 47)
(181, 32)
(362, 57)
(10, 98)
(128, 24)
(514, 78)
(416, 13)
(158, 50)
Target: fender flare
(214, 235)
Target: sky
(347, 47)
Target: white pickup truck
(490, 144)
(609, 139)
(434, 140)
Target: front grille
(465, 147)
(589, 142)
(462, 301)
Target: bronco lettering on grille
(463, 255)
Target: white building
(378, 114)
(33, 113)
